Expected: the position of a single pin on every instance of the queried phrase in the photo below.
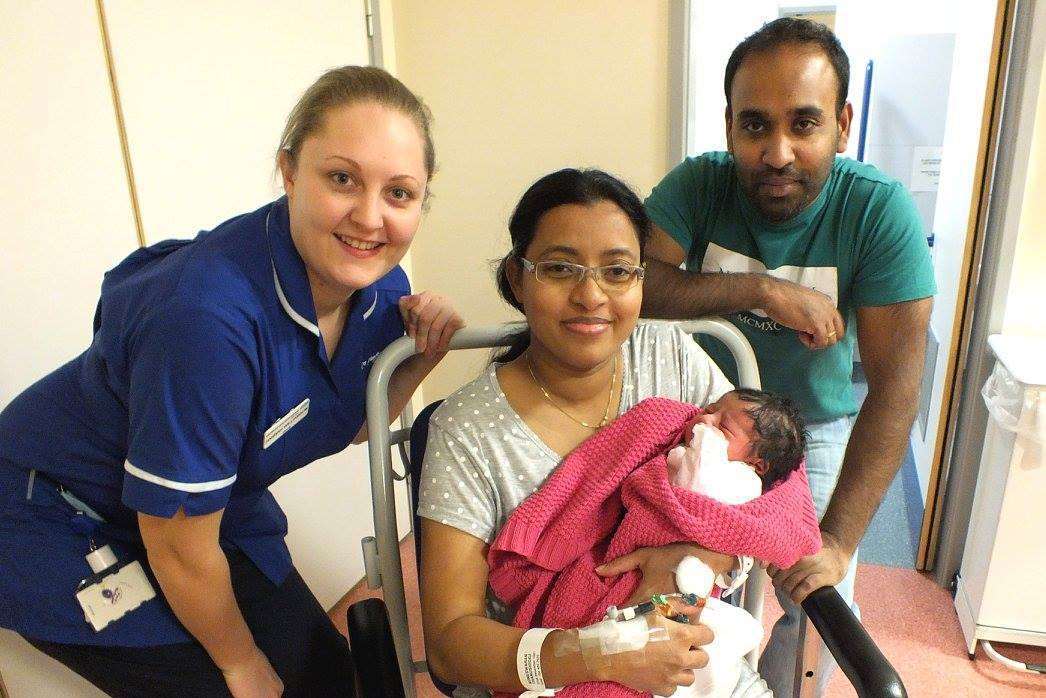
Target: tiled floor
(911, 619)
(892, 537)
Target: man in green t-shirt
(806, 253)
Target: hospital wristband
(731, 582)
(528, 663)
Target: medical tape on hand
(528, 663)
(609, 637)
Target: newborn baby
(737, 449)
(741, 446)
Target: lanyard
(87, 520)
(71, 499)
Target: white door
(67, 218)
(206, 87)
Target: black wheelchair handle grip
(864, 664)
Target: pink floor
(916, 627)
(914, 624)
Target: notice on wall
(926, 168)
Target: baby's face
(729, 414)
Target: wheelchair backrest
(419, 435)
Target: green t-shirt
(861, 242)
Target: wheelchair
(379, 630)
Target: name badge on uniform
(282, 425)
(115, 595)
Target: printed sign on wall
(926, 168)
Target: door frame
(973, 255)
(1004, 191)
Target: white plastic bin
(999, 594)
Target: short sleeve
(894, 262)
(672, 205)
(704, 380)
(191, 391)
(454, 490)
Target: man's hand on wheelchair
(826, 568)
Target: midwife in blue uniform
(218, 365)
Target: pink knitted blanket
(612, 496)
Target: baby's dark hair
(782, 433)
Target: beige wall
(519, 90)
(1024, 304)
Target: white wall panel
(862, 27)
(206, 86)
(67, 216)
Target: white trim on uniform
(279, 291)
(373, 305)
(182, 486)
(291, 311)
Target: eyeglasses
(612, 278)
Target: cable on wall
(121, 127)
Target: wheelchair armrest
(855, 651)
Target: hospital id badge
(115, 595)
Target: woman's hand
(431, 320)
(254, 678)
(664, 664)
(658, 567)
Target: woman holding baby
(576, 272)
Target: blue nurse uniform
(206, 380)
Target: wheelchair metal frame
(871, 674)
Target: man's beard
(778, 209)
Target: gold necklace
(610, 397)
